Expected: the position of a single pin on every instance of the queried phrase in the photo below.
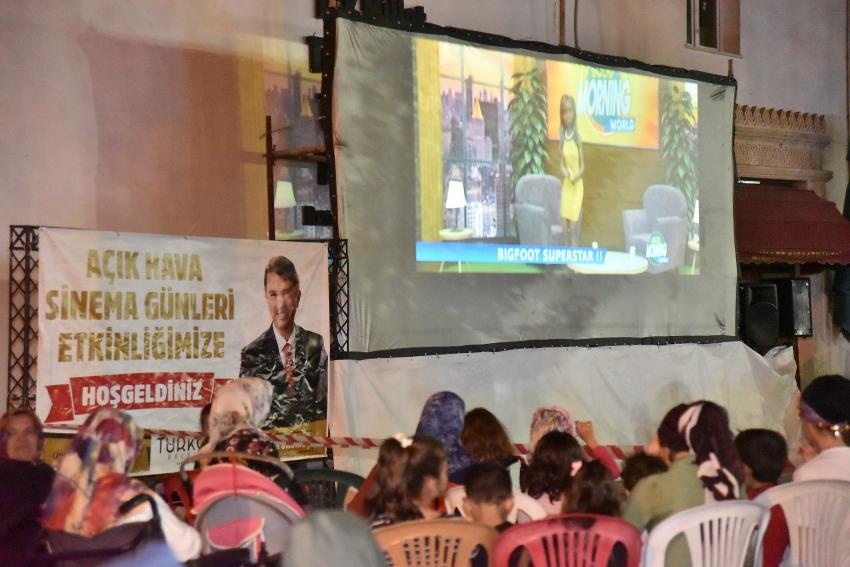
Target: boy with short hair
(489, 497)
(764, 454)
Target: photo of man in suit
(292, 358)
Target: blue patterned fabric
(442, 418)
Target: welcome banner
(154, 324)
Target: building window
(715, 25)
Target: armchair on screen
(538, 210)
(665, 211)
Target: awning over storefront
(785, 225)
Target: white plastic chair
(818, 517)
(526, 508)
(718, 535)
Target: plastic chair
(525, 507)
(237, 507)
(574, 540)
(818, 517)
(718, 534)
(434, 543)
(176, 494)
(326, 488)
(128, 542)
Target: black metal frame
(23, 316)
(23, 310)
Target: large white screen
(500, 194)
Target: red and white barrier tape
(343, 442)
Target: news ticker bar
(480, 252)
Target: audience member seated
(485, 439)
(410, 478)
(24, 481)
(556, 459)
(332, 537)
(489, 495)
(638, 466)
(694, 440)
(238, 409)
(825, 416)
(764, 453)
(593, 491)
(92, 483)
(442, 418)
(554, 418)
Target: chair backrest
(434, 543)
(664, 201)
(326, 488)
(236, 504)
(574, 540)
(718, 534)
(818, 517)
(540, 189)
(176, 494)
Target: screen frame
(327, 121)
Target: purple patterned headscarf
(442, 418)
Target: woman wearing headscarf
(442, 419)
(555, 418)
(238, 409)
(92, 483)
(695, 442)
(25, 480)
(825, 418)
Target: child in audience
(556, 459)
(825, 416)
(485, 439)
(442, 418)
(554, 418)
(764, 454)
(489, 498)
(694, 440)
(593, 491)
(411, 479)
(638, 466)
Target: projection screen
(496, 193)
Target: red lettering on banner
(145, 390)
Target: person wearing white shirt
(825, 418)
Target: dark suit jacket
(307, 400)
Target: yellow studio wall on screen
(614, 107)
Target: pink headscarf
(549, 418)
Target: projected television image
(529, 165)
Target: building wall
(146, 115)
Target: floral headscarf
(549, 418)
(243, 403)
(238, 409)
(92, 481)
(442, 418)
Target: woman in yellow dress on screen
(572, 168)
